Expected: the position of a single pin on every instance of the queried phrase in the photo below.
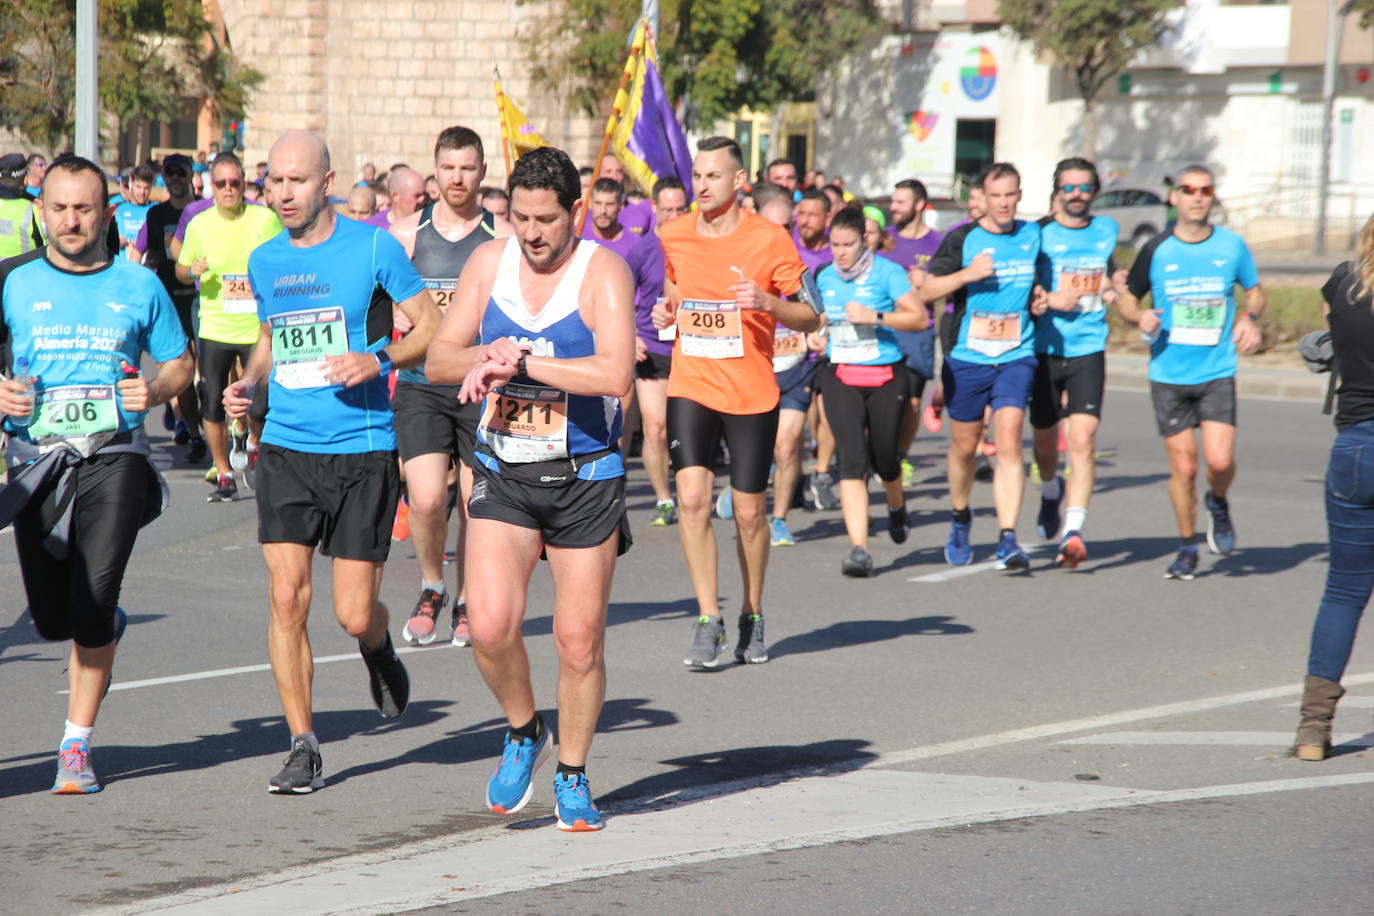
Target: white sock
(1050, 489)
(71, 731)
(666, 502)
(434, 586)
(1074, 520)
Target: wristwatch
(880, 317)
(383, 363)
(520, 368)
(1252, 316)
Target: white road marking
(1218, 739)
(804, 813)
(1125, 717)
(958, 572)
(1348, 702)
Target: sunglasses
(228, 183)
(1086, 187)
(1206, 190)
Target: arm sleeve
(393, 269)
(949, 257)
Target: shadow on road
(623, 612)
(1246, 561)
(23, 633)
(845, 633)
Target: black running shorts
(582, 514)
(344, 504)
(216, 361)
(1067, 385)
(429, 420)
(1181, 407)
(694, 433)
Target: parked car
(1141, 211)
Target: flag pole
(501, 115)
(635, 50)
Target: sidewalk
(1254, 378)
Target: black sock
(1187, 544)
(381, 651)
(963, 516)
(568, 769)
(1009, 533)
(533, 730)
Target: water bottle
(21, 375)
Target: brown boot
(1319, 698)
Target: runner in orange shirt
(727, 275)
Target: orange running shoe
(400, 529)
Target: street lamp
(1335, 23)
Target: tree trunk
(1090, 129)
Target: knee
(785, 452)
(356, 622)
(491, 628)
(654, 428)
(581, 652)
(1184, 467)
(290, 605)
(1080, 444)
(50, 627)
(748, 516)
(427, 505)
(1220, 464)
(693, 501)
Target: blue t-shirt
(75, 328)
(129, 218)
(1193, 284)
(1083, 258)
(993, 314)
(324, 300)
(879, 289)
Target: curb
(1131, 372)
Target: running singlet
(130, 218)
(1080, 260)
(723, 358)
(326, 300)
(525, 421)
(74, 329)
(228, 308)
(440, 264)
(1193, 285)
(993, 314)
(646, 266)
(879, 289)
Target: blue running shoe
(725, 503)
(1047, 522)
(75, 776)
(1010, 555)
(511, 783)
(1221, 534)
(573, 803)
(1185, 567)
(779, 534)
(958, 551)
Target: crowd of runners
(465, 362)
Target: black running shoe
(302, 774)
(390, 683)
(897, 525)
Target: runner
(406, 190)
(83, 436)
(783, 173)
(988, 266)
(361, 204)
(558, 316)
(1070, 345)
(434, 432)
(133, 211)
(327, 473)
(726, 271)
(215, 257)
(654, 357)
(37, 167)
(1195, 332)
(913, 245)
(496, 202)
(811, 217)
(603, 224)
(636, 218)
(154, 241)
(866, 298)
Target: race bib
(1086, 283)
(994, 333)
(1198, 321)
(300, 342)
(853, 343)
(710, 329)
(442, 291)
(526, 423)
(73, 411)
(237, 295)
(789, 349)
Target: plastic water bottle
(21, 375)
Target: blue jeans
(1350, 529)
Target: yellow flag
(516, 131)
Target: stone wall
(379, 80)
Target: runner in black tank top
(434, 433)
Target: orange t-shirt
(723, 358)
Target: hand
(400, 321)
(981, 267)
(1247, 334)
(664, 313)
(1149, 321)
(16, 398)
(200, 267)
(748, 296)
(502, 351)
(916, 276)
(816, 341)
(1119, 279)
(133, 392)
(860, 314)
(641, 351)
(1040, 301)
(351, 368)
(1062, 300)
(238, 397)
(485, 376)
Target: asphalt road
(1095, 741)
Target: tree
(718, 55)
(1093, 39)
(154, 55)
